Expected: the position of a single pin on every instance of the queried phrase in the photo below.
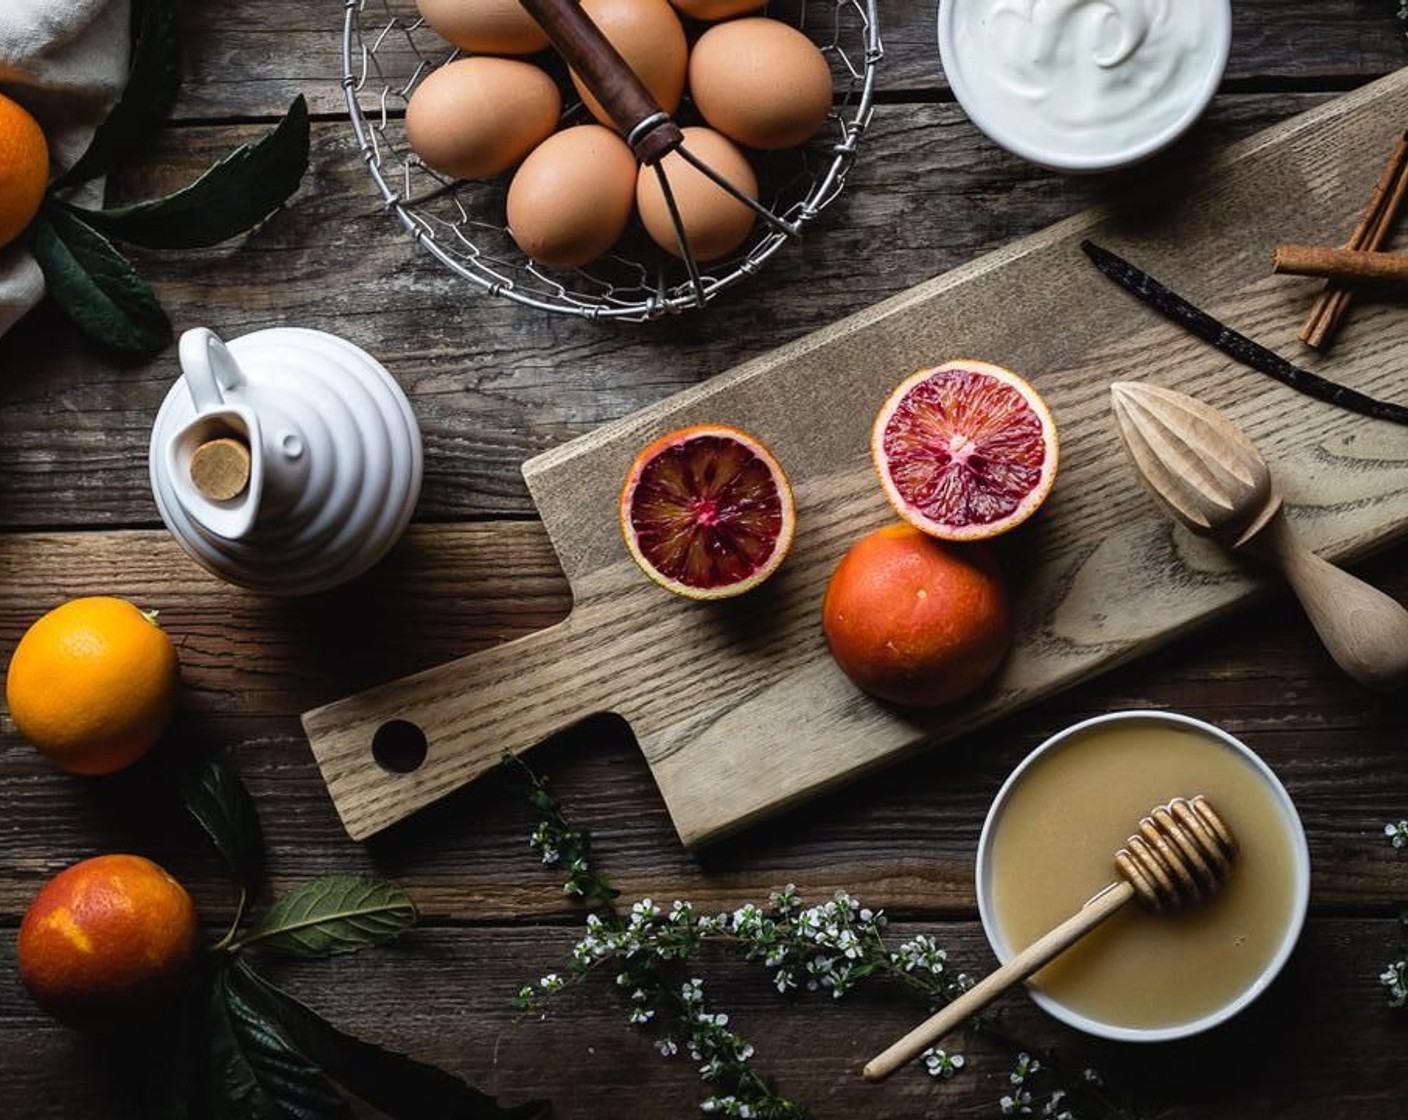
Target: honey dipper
(1181, 855)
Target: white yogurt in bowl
(1084, 85)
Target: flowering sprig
(830, 946)
(1394, 977)
(1036, 1087)
(558, 844)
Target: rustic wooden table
(492, 384)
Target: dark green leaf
(254, 1073)
(235, 195)
(221, 805)
(400, 1087)
(334, 914)
(96, 286)
(152, 84)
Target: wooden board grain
(249, 664)
(737, 707)
(492, 383)
(444, 996)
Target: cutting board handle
(394, 749)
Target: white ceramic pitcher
(334, 458)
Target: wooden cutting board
(737, 705)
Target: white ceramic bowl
(1049, 155)
(1300, 859)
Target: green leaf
(235, 195)
(254, 1073)
(153, 81)
(334, 914)
(400, 1087)
(221, 805)
(97, 287)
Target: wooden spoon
(1206, 474)
(1181, 855)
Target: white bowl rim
(972, 104)
(1300, 856)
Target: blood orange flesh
(707, 512)
(966, 450)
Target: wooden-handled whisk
(650, 131)
(1181, 855)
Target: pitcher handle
(209, 369)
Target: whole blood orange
(92, 684)
(107, 943)
(966, 450)
(707, 512)
(915, 621)
(24, 169)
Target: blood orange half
(966, 450)
(707, 512)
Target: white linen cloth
(65, 61)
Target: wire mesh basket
(387, 50)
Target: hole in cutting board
(399, 746)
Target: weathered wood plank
(490, 382)
(904, 838)
(251, 59)
(443, 995)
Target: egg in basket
(618, 159)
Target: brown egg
(488, 26)
(571, 199)
(476, 117)
(649, 36)
(716, 222)
(710, 10)
(760, 82)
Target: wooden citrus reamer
(1208, 475)
(1181, 855)
(648, 129)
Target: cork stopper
(220, 468)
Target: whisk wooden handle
(1028, 961)
(648, 128)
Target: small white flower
(668, 1047)
(941, 1064)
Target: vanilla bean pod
(1237, 346)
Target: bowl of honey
(1047, 848)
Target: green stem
(225, 943)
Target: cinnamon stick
(1328, 310)
(1346, 266)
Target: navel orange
(92, 685)
(24, 169)
(916, 621)
(107, 943)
